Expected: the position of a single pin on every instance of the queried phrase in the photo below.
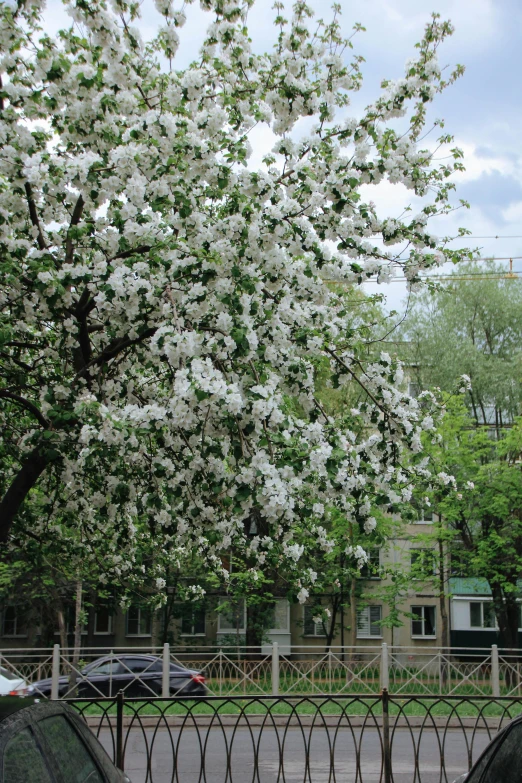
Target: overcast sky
(483, 110)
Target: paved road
(242, 741)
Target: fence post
(165, 679)
(220, 671)
(119, 730)
(495, 674)
(385, 668)
(275, 669)
(386, 735)
(55, 676)
(330, 671)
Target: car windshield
(8, 675)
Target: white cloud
(513, 214)
(476, 165)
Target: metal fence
(313, 739)
(309, 670)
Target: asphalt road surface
(241, 743)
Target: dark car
(48, 742)
(137, 675)
(501, 762)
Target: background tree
(470, 326)
(484, 517)
(473, 326)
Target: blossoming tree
(164, 303)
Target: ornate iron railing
(313, 739)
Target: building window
(481, 614)
(423, 621)
(139, 622)
(232, 617)
(369, 622)
(423, 564)
(102, 621)
(280, 622)
(424, 517)
(13, 623)
(193, 622)
(414, 389)
(311, 626)
(372, 569)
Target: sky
(483, 109)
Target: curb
(282, 721)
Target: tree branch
(113, 349)
(34, 215)
(29, 406)
(134, 251)
(76, 217)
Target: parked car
(501, 762)
(11, 684)
(48, 742)
(137, 675)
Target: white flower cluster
(163, 303)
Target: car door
(140, 676)
(101, 680)
(502, 760)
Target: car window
(137, 665)
(109, 667)
(8, 675)
(506, 761)
(73, 758)
(23, 760)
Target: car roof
(11, 704)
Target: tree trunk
(32, 468)
(443, 608)
(258, 619)
(77, 639)
(507, 614)
(330, 627)
(352, 637)
(62, 630)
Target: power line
(496, 236)
(480, 258)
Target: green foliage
(470, 326)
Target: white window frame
(483, 627)
(14, 635)
(423, 621)
(361, 634)
(137, 635)
(102, 633)
(421, 520)
(319, 632)
(200, 633)
(233, 631)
